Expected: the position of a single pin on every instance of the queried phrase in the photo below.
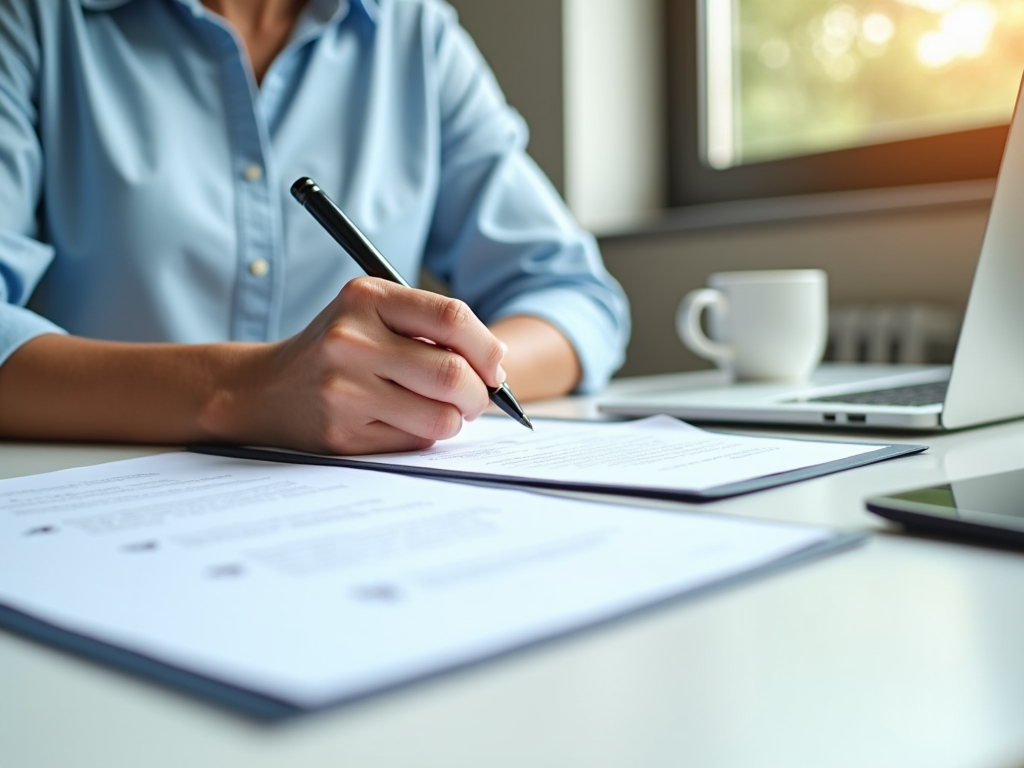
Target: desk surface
(904, 652)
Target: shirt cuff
(18, 325)
(599, 340)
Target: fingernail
(504, 347)
(501, 374)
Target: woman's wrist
(541, 362)
(232, 409)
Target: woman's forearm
(71, 388)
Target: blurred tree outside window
(784, 78)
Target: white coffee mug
(766, 324)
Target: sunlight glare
(935, 6)
(963, 31)
(935, 50)
(970, 26)
(877, 28)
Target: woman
(178, 294)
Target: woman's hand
(362, 379)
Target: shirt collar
(327, 8)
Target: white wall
(614, 117)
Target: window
(782, 97)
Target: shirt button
(259, 267)
(252, 172)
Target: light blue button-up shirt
(144, 176)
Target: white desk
(904, 652)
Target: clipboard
(881, 452)
(262, 708)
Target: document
(302, 586)
(657, 456)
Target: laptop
(984, 384)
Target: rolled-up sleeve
(22, 261)
(501, 237)
(23, 258)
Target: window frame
(965, 155)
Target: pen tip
(526, 422)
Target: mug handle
(688, 324)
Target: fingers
(415, 415)
(448, 322)
(367, 360)
(434, 373)
(378, 437)
(390, 418)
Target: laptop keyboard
(916, 394)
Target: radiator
(901, 333)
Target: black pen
(374, 264)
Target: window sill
(779, 210)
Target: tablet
(988, 508)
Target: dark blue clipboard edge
(883, 453)
(266, 709)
